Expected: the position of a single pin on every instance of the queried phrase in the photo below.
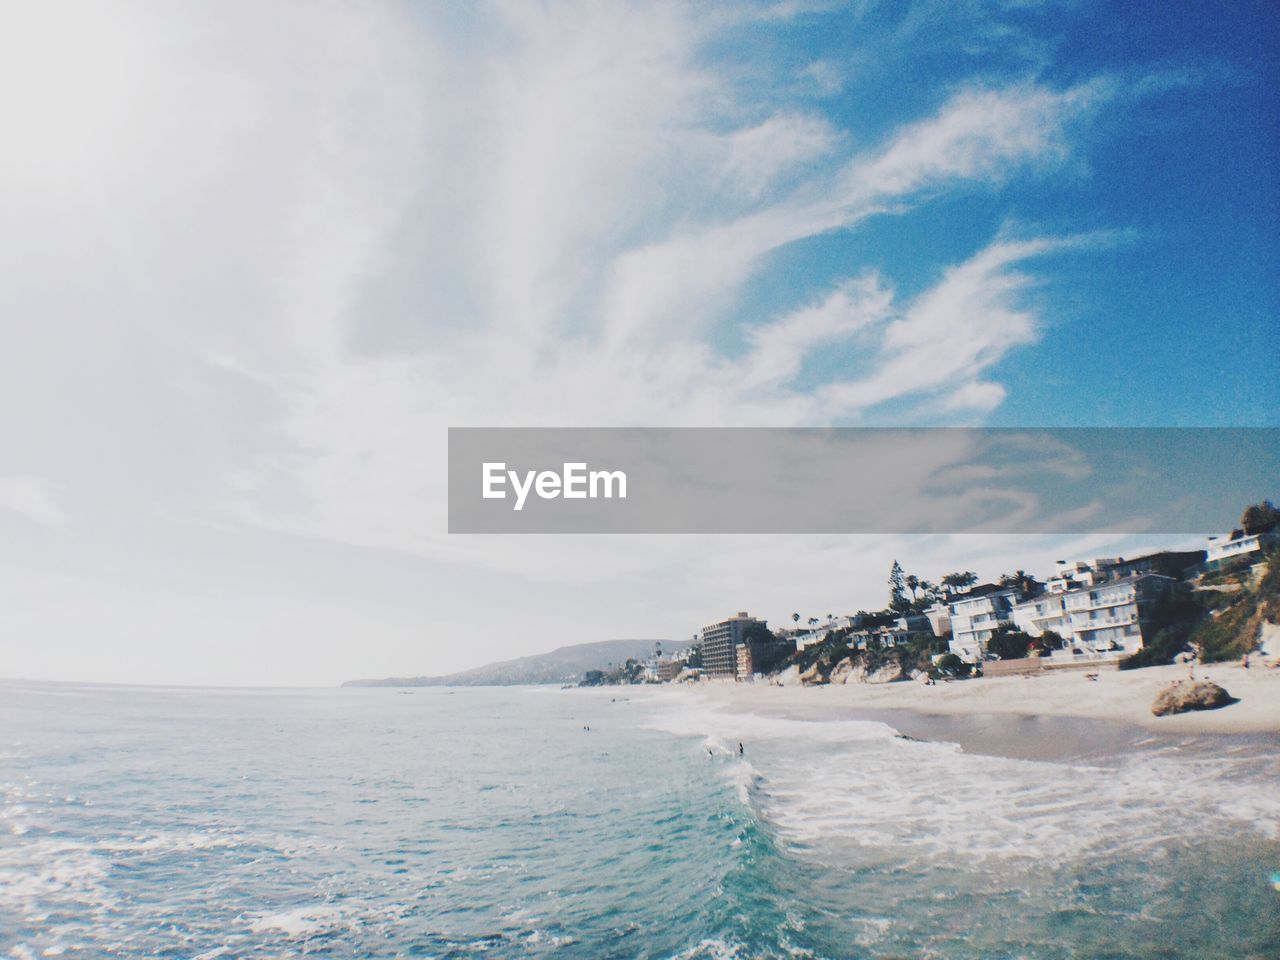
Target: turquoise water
(490, 823)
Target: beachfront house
(1047, 611)
(1113, 619)
(1106, 619)
(1237, 544)
(976, 615)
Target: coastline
(1116, 698)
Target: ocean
(616, 823)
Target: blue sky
(256, 261)
(1175, 322)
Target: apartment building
(1109, 618)
(1239, 544)
(976, 615)
(720, 642)
(1113, 619)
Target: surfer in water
(740, 750)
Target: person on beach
(740, 750)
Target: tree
(897, 588)
(960, 581)
(913, 584)
(1009, 643)
(1050, 640)
(1259, 517)
(795, 618)
(952, 666)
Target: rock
(886, 674)
(1183, 695)
(812, 677)
(841, 672)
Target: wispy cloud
(34, 498)
(612, 201)
(255, 290)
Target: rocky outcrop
(889, 673)
(843, 670)
(1184, 695)
(813, 676)
(851, 669)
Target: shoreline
(986, 710)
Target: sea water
(524, 822)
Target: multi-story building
(1047, 611)
(940, 619)
(976, 615)
(1113, 619)
(1109, 618)
(1239, 544)
(720, 642)
(669, 668)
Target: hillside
(562, 665)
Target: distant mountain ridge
(562, 665)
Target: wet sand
(1056, 716)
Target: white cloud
(34, 498)
(953, 333)
(284, 277)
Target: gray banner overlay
(857, 480)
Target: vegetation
(1233, 571)
(898, 601)
(952, 666)
(960, 581)
(1218, 625)
(1230, 633)
(1260, 517)
(1009, 643)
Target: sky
(256, 259)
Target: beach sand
(1116, 697)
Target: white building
(1048, 611)
(975, 618)
(1108, 619)
(1238, 544)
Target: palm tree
(913, 584)
(795, 617)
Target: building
(720, 642)
(1178, 564)
(1239, 544)
(939, 619)
(976, 615)
(669, 668)
(1046, 611)
(1107, 619)
(1113, 619)
(742, 646)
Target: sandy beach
(1115, 696)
